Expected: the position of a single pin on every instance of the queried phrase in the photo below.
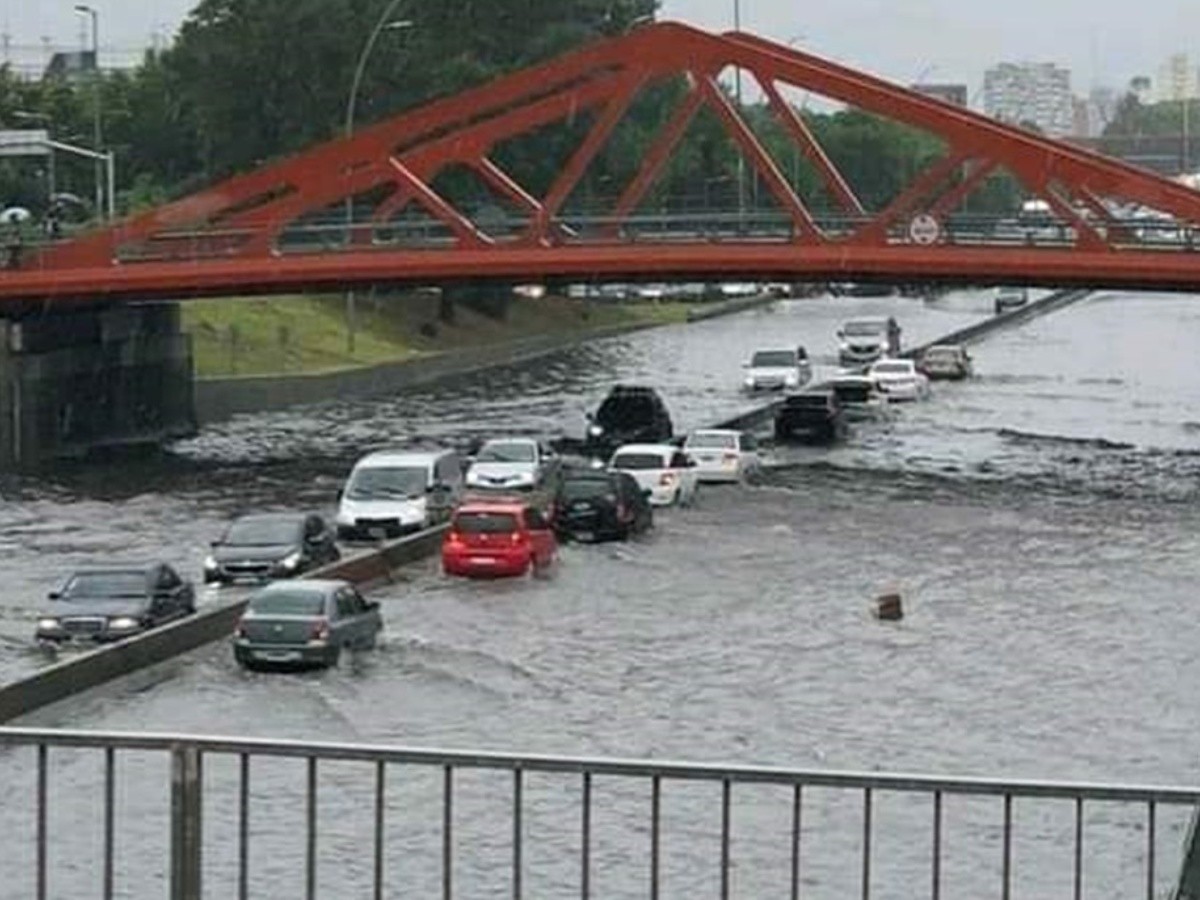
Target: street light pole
(737, 90)
(97, 135)
(384, 23)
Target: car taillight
(518, 538)
(454, 537)
(730, 457)
(667, 479)
(320, 630)
(240, 629)
(620, 510)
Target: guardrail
(395, 821)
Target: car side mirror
(340, 493)
(646, 492)
(371, 604)
(54, 595)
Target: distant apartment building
(1033, 93)
(947, 93)
(1177, 80)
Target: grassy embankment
(243, 336)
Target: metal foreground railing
(495, 824)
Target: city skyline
(934, 40)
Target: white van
(395, 492)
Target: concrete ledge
(217, 399)
(95, 667)
(729, 307)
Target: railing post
(1189, 872)
(186, 830)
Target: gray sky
(1102, 41)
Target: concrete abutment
(75, 383)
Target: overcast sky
(1102, 41)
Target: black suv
(814, 415)
(595, 504)
(628, 415)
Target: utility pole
(737, 90)
(97, 134)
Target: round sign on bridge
(924, 229)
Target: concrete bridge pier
(75, 383)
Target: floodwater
(1040, 522)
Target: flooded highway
(1040, 521)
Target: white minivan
(395, 492)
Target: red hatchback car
(496, 537)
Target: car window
(260, 531)
(167, 579)
(636, 461)
(485, 523)
(292, 602)
(347, 604)
(713, 440)
(105, 584)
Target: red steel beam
(464, 229)
(949, 201)
(759, 158)
(875, 231)
(660, 151)
(835, 183)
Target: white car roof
(664, 449)
(720, 432)
(509, 440)
(401, 458)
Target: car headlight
(210, 564)
(123, 623)
(47, 624)
(595, 431)
(472, 477)
(791, 379)
(290, 561)
(748, 381)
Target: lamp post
(97, 136)
(737, 91)
(384, 23)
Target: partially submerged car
(510, 464)
(1010, 298)
(946, 361)
(777, 370)
(629, 414)
(498, 538)
(858, 396)
(596, 505)
(863, 341)
(899, 379)
(112, 603)
(305, 623)
(813, 415)
(722, 454)
(662, 469)
(270, 545)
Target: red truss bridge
(371, 208)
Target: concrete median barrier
(96, 667)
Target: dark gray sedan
(270, 545)
(305, 623)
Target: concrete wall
(75, 383)
(220, 398)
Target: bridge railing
(119, 814)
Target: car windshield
(263, 532)
(808, 401)
(773, 358)
(585, 488)
(98, 585)
(507, 451)
(892, 368)
(635, 461)
(485, 523)
(853, 392)
(864, 329)
(713, 440)
(288, 603)
(387, 482)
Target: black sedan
(596, 504)
(109, 604)
(270, 545)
